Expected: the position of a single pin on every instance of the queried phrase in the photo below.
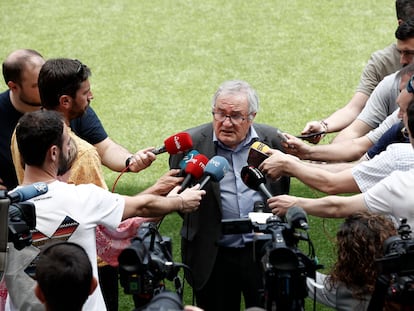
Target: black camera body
(16, 222)
(143, 267)
(284, 265)
(395, 282)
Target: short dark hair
(14, 66)
(64, 274)
(405, 30)
(36, 132)
(404, 9)
(60, 76)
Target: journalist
(351, 281)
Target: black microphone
(296, 218)
(254, 179)
(27, 192)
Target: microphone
(176, 143)
(27, 192)
(296, 217)
(194, 170)
(254, 179)
(215, 169)
(257, 153)
(190, 155)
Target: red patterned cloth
(110, 243)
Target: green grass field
(156, 65)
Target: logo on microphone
(177, 142)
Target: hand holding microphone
(176, 143)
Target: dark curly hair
(360, 240)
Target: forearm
(347, 114)
(350, 150)
(149, 205)
(113, 155)
(332, 206)
(311, 176)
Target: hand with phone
(312, 137)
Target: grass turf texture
(156, 65)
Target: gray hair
(238, 86)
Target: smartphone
(307, 136)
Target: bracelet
(324, 125)
(182, 203)
(127, 162)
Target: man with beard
(64, 87)
(20, 71)
(72, 212)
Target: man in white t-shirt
(69, 212)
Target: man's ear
(39, 294)
(12, 85)
(94, 284)
(53, 151)
(65, 101)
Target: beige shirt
(86, 168)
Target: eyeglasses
(406, 52)
(234, 119)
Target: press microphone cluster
(199, 169)
(176, 143)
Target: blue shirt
(236, 198)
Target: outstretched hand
(281, 203)
(190, 197)
(141, 159)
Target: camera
(17, 219)
(395, 282)
(143, 267)
(285, 267)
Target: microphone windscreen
(177, 143)
(195, 166)
(28, 192)
(191, 154)
(217, 167)
(257, 153)
(296, 217)
(252, 177)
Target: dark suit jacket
(202, 229)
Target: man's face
(27, 90)
(228, 131)
(82, 100)
(406, 49)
